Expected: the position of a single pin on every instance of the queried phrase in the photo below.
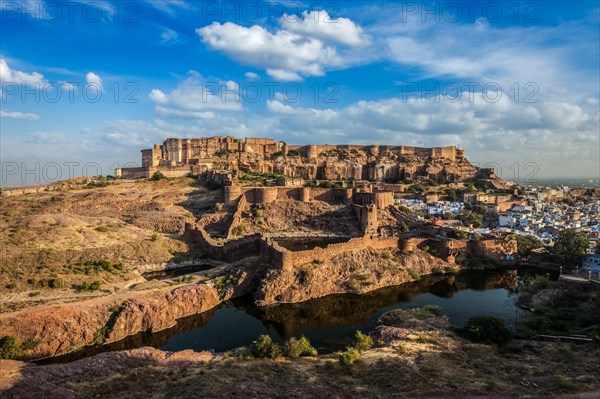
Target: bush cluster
(487, 329)
(12, 348)
(92, 267)
(352, 353)
(87, 287)
(264, 347)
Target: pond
(330, 322)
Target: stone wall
(237, 216)
(286, 259)
(132, 173)
(230, 251)
(494, 248)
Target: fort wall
(237, 216)
(287, 260)
(269, 250)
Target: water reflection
(328, 322)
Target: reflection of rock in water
(476, 281)
(146, 338)
(334, 310)
(486, 281)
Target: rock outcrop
(356, 271)
(64, 328)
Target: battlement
(310, 162)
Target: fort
(179, 156)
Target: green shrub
(157, 176)
(299, 347)
(10, 348)
(154, 237)
(405, 209)
(265, 347)
(185, 279)
(57, 283)
(244, 353)
(487, 329)
(87, 287)
(414, 274)
(433, 310)
(362, 341)
(349, 356)
(100, 336)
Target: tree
(571, 246)
(472, 218)
(526, 244)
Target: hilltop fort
(381, 163)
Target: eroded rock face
(64, 328)
(354, 271)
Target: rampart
(237, 216)
(267, 248)
(286, 259)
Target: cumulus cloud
(19, 115)
(8, 75)
(319, 24)
(251, 75)
(197, 97)
(283, 53)
(93, 80)
(301, 47)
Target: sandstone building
(177, 157)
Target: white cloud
(283, 53)
(19, 115)
(68, 86)
(8, 75)
(319, 24)
(46, 138)
(484, 53)
(196, 97)
(170, 6)
(93, 80)
(168, 36)
(549, 134)
(592, 101)
(251, 75)
(281, 74)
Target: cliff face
(65, 328)
(353, 271)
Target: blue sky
(516, 84)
